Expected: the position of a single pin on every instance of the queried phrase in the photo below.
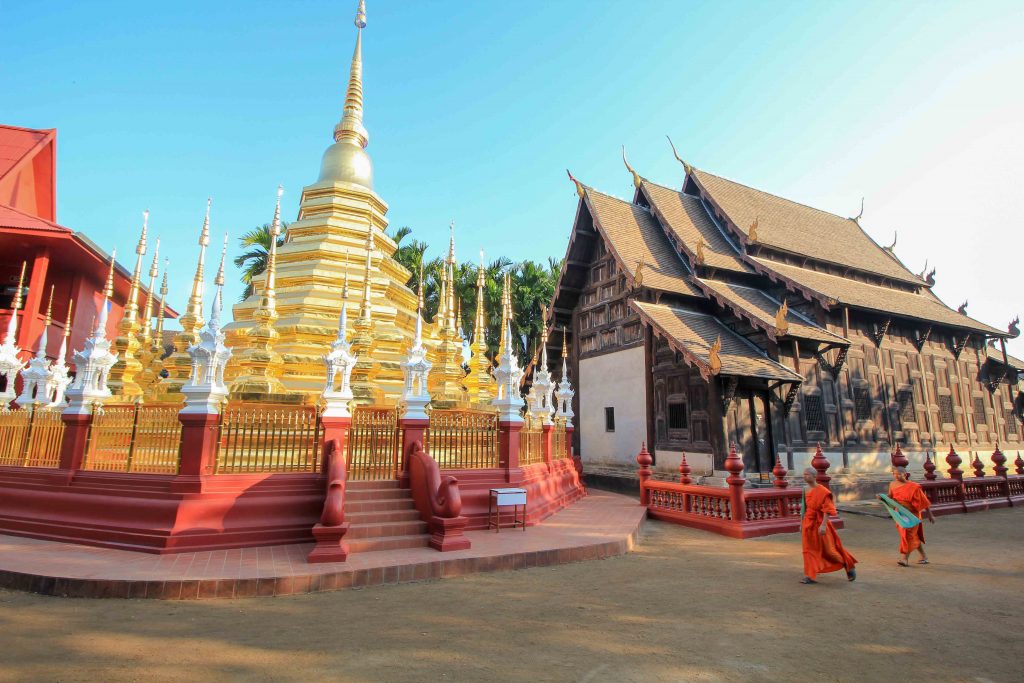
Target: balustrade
(268, 438)
(463, 439)
(531, 442)
(373, 443)
(30, 438)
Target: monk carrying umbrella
(905, 503)
(823, 551)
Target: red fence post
(644, 459)
(413, 430)
(929, 467)
(1019, 464)
(200, 437)
(999, 463)
(335, 429)
(780, 474)
(898, 459)
(74, 442)
(734, 466)
(684, 472)
(954, 460)
(820, 463)
(508, 445)
(978, 466)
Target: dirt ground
(685, 606)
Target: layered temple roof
(791, 227)
(694, 334)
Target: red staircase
(383, 517)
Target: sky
(475, 110)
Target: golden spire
(636, 176)
(131, 312)
(479, 383)
(544, 336)
(365, 314)
(419, 288)
(350, 128)
(67, 325)
(108, 288)
(686, 167)
(479, 322)
(504, 313)
(158, 338)
(147, 315)
(195, 301)
(49, 309)
(266, 311)
(21, 283)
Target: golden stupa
(340, 231)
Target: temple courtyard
(683, 605)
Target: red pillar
(644, 459)
(335, 429)
(734, 466)
(508, 446)
(412, 430)
(73, 443)
(200, 436)
(547, 438)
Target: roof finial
(351, 128)
(700, 250)
(781, 323)
(636, 176)
(856, 219)
(891, 247)
(962, 310)
(714, 359)
(638, 274)
(686, 167)
(752, 232)
(579, 185)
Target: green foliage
(253, 261)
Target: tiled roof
(15, 143)
(758, 304)
(995, 354)
(693, 333)
(689, 221)
(634, 235)
(12, 218)
(925, 307)
(799, 229)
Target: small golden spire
(163, 302)
(686, 167)
(67, 325)
(49, 309)
(504, 313)
(108, 288)
(365, 314)
(579, 185)
(419, 290)
(700, 250)
(714, 360)
(219, 279)
(266, 310)
(195, 301)
(636, 176)
(752, 233)
(154, 270)
(21, 283)
(781, 322)
(131, 312)
(479, 322)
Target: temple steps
(382, 517)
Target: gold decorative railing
(257, 438)
(30, 438)
(558, 440)
(373, 443)
(531, 442)
(134, 438)
(463, 439)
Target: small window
(945, 402)
(905, 398)
(814, 411)
(1011, 422)
(980, 417)
(861, 403)
(677, 416)
(609, 419)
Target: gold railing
(558, 440)
(30, 438)
(373, 443)
(134, 438)
(257, 438)
(531, 442)
(463, 439)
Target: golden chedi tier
(122, 380)
(257, 364)
(339, 217)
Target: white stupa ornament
(337, 392)
(205, 391)
(93, 362)
(59, 378)
(33, 378)
(507, 376)
(564, 392)
(10, 364)
(542, 388)
(416, 368)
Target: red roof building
(56, 256)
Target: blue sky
(475, 109)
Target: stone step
(388, 505)
(386, 529)
(382, 516)
(374, 484)
(375, 494)
(369, 545)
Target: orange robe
(910, 495)
(822, 553)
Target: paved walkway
(600, 525)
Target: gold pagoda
(340, 231)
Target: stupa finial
(195, 301)
(365, 313)
(132, 306)
(350, 128)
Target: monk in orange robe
(823, 551)
(910, 495)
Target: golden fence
(261, 438)
(373, 443)
(134, 438)
(558, 440)
(110, 438)
(463, 439)
(531, 442)
(30, 438)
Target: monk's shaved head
(811, 471)
(901, 470)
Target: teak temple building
(718, 313)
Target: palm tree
(254, 261)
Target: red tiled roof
(15, 143)
(12, 218)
